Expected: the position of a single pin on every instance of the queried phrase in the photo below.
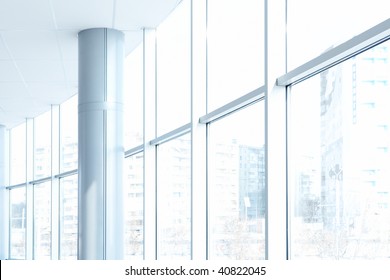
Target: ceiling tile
(26, 15)
(68, 44)
(32, 45)
(79, 15)
(9, 90)
(41, 70)
(9, 120)
(4, 54)
(21, 106)
(8, 72)
(135, 14)
(41, 37)
(71, 71)
(49, 93)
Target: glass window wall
(134, 205)
(133, 98)
(69, 134)
(311, 32)
(18, 223)
(235, 49)
(174, 199)
(42, 221)
(174, 69)
(18, 154)
(339, 161)
(68, 217)
(237, 185)
(42, 146)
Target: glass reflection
(134, 204)
(18, 154)
(68, 217)
(69, 134)
(42, 146)
(18, 223)
(42, 221)
(237, 185)
(174, 199)
(339, 161)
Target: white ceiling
(38, 46)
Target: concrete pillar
(101, 152)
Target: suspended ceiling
(38, 46)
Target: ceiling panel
(42, 70)
(136, 14)
(71, 72)
(32, 45)
(8, 72)
(83, 14)
(49, 93)
(9, 89)
(3, 50)
(68, 42)
(8, 119)
(39, 46)
(22, 106)
(26, 15)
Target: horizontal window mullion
(239, 103)
(134, 151)
(171, 135)
(66, 174)
(358, 44)
(40, 181)
(16, 186)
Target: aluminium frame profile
(44, 180)
(134, 151)
(358, 44)
(171, 135)
(16, 186)
(66, 174)
(40, 181)
(237, 104)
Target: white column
(101, 152)
(4, 197)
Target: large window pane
(134, 204)
(339, 161)
(133, 98)
(174, 199)
(68, 217)
(173, 69)
(18, 155)
(69, 134)
(42, 146)
(237, 186)
(18, 223)
(42, 221)
(235, 41)
(315, 26)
